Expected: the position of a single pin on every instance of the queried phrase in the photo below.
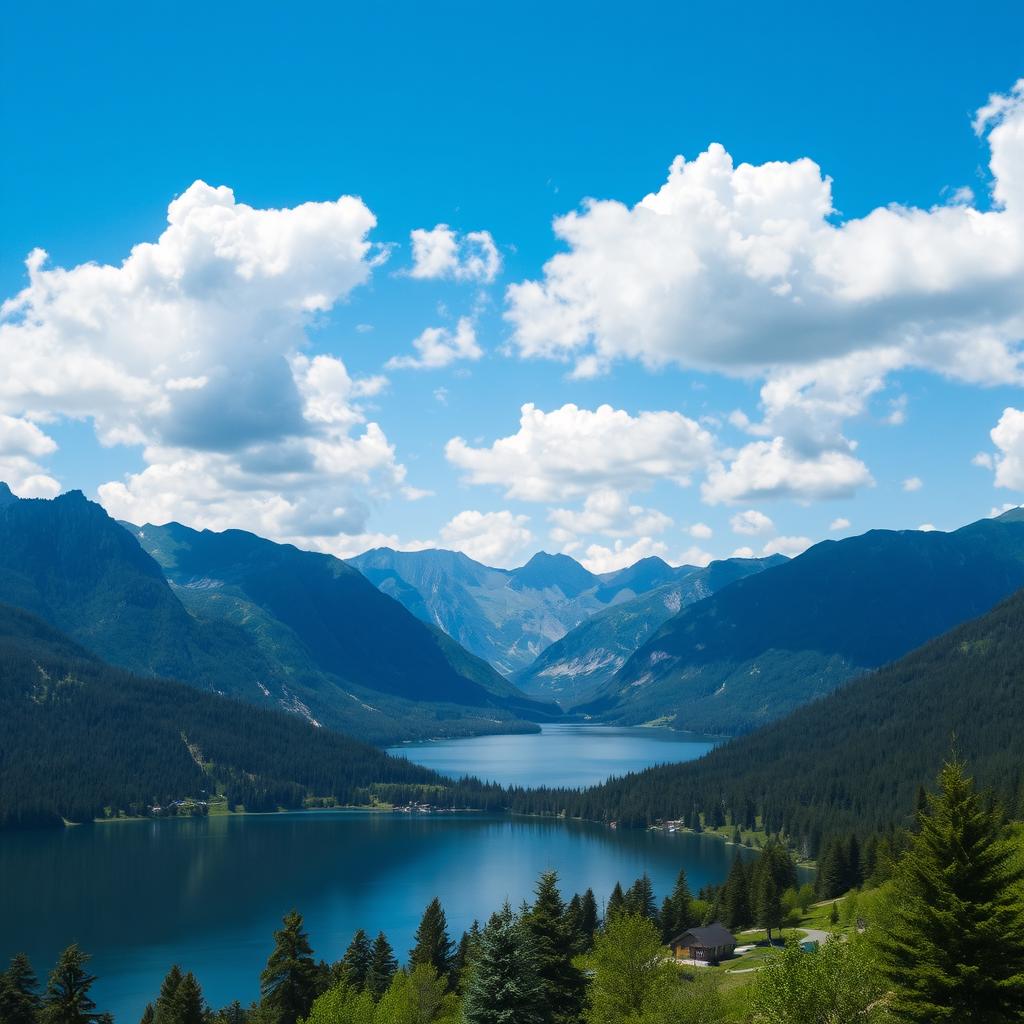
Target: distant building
(710, 944)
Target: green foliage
(417, 996)
(505, 986)
(677, 913)
(952, 945)
(19, 996)
(383, 966)
(433, 946)
(553, 940)
(354, 966)
(737, 908)
(838, 982)
(640, 899)
(67, 999)
(289, 981)
(342, 1004)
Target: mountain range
(766, 644)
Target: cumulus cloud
(912, 483)
(1008, 437)
(841, 523)
(570, 452)
(22, 443)
(751, 522)
(192, 348)
(438, 347)
(607, 558)
(746, 270)
(442, 253)
(494, 538)
(700, 531)
(607, 512)
(927, 528)
(789, 546)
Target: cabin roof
(712, 936)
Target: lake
(559, 755)
(208, 893)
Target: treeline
(955, 903)
(80, 739)
(851, 763)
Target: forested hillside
(769, 643)
(853, 761)
(79, 738)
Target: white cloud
(570, 452)
(913, 483)
(1008, 437)
(744, 552)
(439, 347)
(751, 522)
(789, 546)
(602, 558)
(771, 469)
(494, 538)
(193, 349)
(746, 270)
(700, 531)
(842, 523)
(22, 443)
(927, 528)
(983, 460)
(442, 253)
(606, 512)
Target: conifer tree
(383, 966)
(355, 964)
(433, 945)
(954, 947)
(735, 901)
(574, 922)
(67, 999)
(640, 898)
(19, 998)
(769, 903)
(616, 903)
(166, 1010)
(677, 914)
(189, 998)
(553, 944)
(588, 916)
(833, 871)
(148, 1015)
(504, 987)
(288, 982)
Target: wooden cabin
(710, 944)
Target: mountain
(80, 738)
(574, 669)
(764, 645)
(292, 629)
(852, 761)
(505, 616)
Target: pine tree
(67, 999)
(588, 915)
(433, 945)
(735, 902)
(189, 998)
(574, 922)
(640, 899)
(288, 982)
(19, 998)
(616, 903)
(383, 966)
(355, 964)
(853, 863)
(677, 915)
(954, 949)
(833, 871)
(504, 987)
(167, 1010)
(553, 945)
(148, 1015)
(769, 903)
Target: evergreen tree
(588, 915)
(189, 998)
(504, 987)
(355, 964)
(954, 947)
(417, 996)
(853, 865)
(735, 901)
(231, 1014)
(640, 898)
(550, 932)
(769, 903)
(148, 1015)
(288, 982)
(833, 871)
(574, 922)
(166, 1010)
(616, 903)
(19, 998)
(67, 999)
(383, 966)
(677, 914)
(433, 946)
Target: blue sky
(757, 353)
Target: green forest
(916, 947)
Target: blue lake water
(208, 893)
(560, 755)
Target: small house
(710, 944)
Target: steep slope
(78, 736)
(768, 643)
(505, 616)
(328, 645)
(575, 668)
(854, 760)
